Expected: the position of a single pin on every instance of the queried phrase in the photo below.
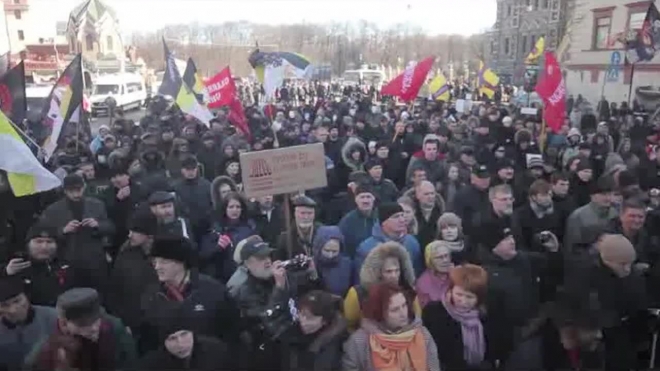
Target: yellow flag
(535, 54)
(488, 80)
(439, 88)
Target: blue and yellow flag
(488, 81)
(439, 89)
(537, 52)
(174, 86)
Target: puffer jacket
(378, 237)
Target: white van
(127, 89)
(35, 96)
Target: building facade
(93, 30)
(594, 40)
(16, 25)
(519, 24)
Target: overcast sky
(463, 17)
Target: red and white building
(595, 31)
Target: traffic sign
(612, 74)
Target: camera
(299, 263)
(544, 237)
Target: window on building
(636, 20)
(89, 42)
(508, 10)
(492, 47)
(21, 35)
(546, 4)
(17, 14)
(524, 44)
(533, 41)
(507, 47)
(602, 28)
(536, 4)
(110, 43)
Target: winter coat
(206, 303)
(84, 249)
(468, 202)
(298, 244)
(17, 341)
(378, 237)
(357, 350)
(131, 274)
(584, 226)
(46, 280)
(195, 201)
(356, 227)
(116, 350)
(317, 352)
(447, 334)
(434, 169)
(217, 262)
(337, 274)
(215, 189)
(209, 354)
(370, 274)
(427, 230)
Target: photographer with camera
(266, 301)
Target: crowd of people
(444, 240)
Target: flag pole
(630, 90)
(17, 128)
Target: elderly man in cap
(21, 323)
(268, 289)
(83, 226)
(302, 233)
(44, 273)
(162, 206)
(200, 297)
(392, 227)
(86, 338)
(608, 272)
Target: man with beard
(21, 323)
(161, 204)
(84, 228)
(304, 231)
(45, 275)
(265, 301)
(86, 338)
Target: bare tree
(340, 45)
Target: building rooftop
(91, 10)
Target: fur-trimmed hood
(371, 268)
(215, 189)
(351, 145)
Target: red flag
(221, 89)
(407, 85)
(552, 90)
(237, 117)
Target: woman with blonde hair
(432, 285)
(408, 206)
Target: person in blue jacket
(392, 227)
(334, 268)
(356, 226)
